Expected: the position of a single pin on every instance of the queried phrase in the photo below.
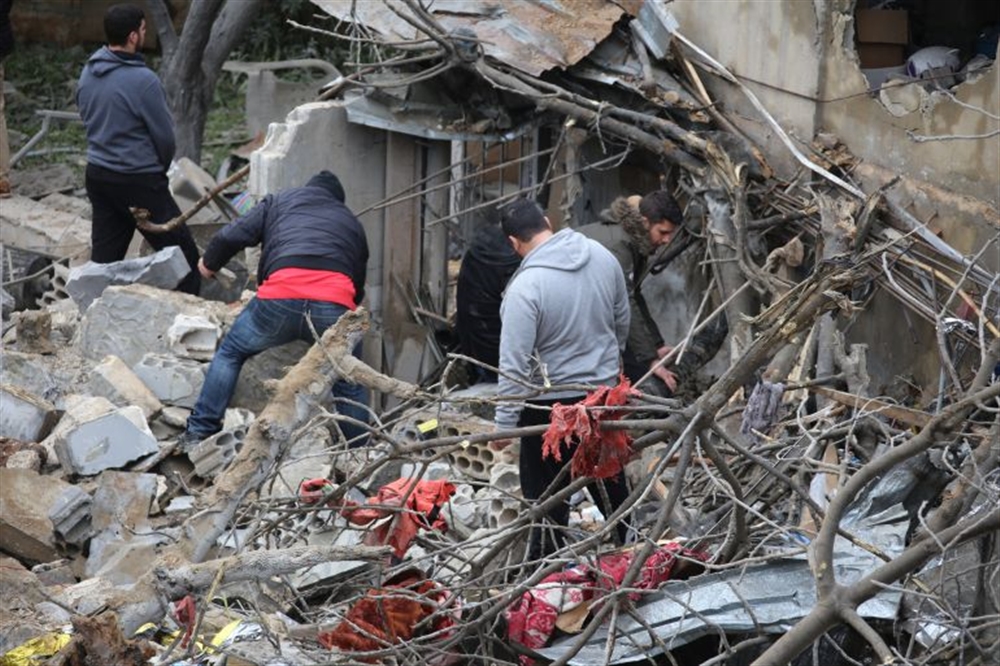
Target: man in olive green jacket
(632, 228)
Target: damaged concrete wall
(373, 165)
(799, 59)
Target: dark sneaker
(187, 441)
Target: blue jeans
(263, 324)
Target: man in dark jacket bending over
(313, 259)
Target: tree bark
(192, 63)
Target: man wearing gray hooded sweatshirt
(565, 321)
(130, 144)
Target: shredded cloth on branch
(415, 504)
(762, 408)
(393, 614)
(532, 619)
(599, 454)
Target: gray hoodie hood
(564, 251)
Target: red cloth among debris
(415, 504)
(600, 454)
(186, 616)
(389, 615)
(532, 619)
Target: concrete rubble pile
(809, 504)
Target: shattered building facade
(828, 482)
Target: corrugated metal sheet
(530, 35)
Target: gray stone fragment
(176, 417)
(115, 381)
(211, 455)
(70, 516)
(23, 416)
(193, 337)
(25, 459)
(164, 269)
(106, 442)
(129, 321)
(175, 381)
(31, 373)
(121, 550)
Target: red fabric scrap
(415, 504)
(599, 454)
(186, 615)
(532, 619)
(389, 615)
(315, 491)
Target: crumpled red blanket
(600, 454)
(390, 615)
(532, 619)
(415, 503)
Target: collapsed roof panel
(532, 36)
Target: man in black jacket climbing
(313, 259)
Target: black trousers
(538, 474)
(111, 194)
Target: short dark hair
(660, 205)
(120, 21)
(523, 219)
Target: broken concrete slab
(31, 373)
(253, 391)
(106, 442)
(193, 337)
(25, 500)
(130, 321)
(174, 381)
(164, 269)
(114, 380)
(120, 549)
(30, 224)
(25, 417)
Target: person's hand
(663, 351)
(667, 377)
(205, 271)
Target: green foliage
(270, 37)
(44, 77)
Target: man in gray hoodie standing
(565, 322)
(130, 144)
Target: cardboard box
(882, 26)
(881, 55)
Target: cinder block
(193, 337)
(211, 455)
(175, 381)
(115, 381)
(23, 416)
(70, 516)
(164, 269)
(109, 441)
